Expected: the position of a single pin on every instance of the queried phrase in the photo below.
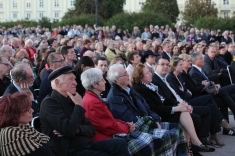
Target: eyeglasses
(6, 64)
(125, 74)
(59, 61)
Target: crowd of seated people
(112, 95)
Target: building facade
(12, 10)
(226, 8)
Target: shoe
(224, 123)
(217, 139)
(202, 148)
(229, 132)
(205, 140)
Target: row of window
(28, 15)
(41, 3)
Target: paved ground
(229, 148)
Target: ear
(57, 83)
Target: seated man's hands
(77, 99)
(57, 133)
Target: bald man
(90, 54)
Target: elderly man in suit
(212, 69)
(22, 76)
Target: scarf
(21, 140)
(153, 88)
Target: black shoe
(196, 154)
(202, 148)
(229, 132)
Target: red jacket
(100, 116)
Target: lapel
(162, 87)
(196, 70)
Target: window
(141, 2)
(14, 4)
(225, 14)
(14, 15)
(40, 3)
(56, 15)
(28, 5)
(56, 3)
(28, 15)
(72, 2)
(41, 14)
(226, 2)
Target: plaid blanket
(150, 141)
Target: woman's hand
(131, 126)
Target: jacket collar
(61, 98)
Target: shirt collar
(200, 69)
(17, 87)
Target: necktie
(203, 73)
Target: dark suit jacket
(12, 89)
(191, 84)
(174, 83)
(154, 101)
(164, 91)
(164, 54)
(4, 83)
(197, 75)
(228, 57)
(208, 68)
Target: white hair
(28, 41)
(113, 72)
(90, 77)
(60, 78)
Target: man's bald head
(90, 54)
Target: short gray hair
(113, 72)
(90, 77)
(3, 49)
(53, 85)
(19, 72)
(194, 56)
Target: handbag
(211, 88)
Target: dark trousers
(224, 79)
(200, 109)
(216, 115)
(114, 147)
(227, 94)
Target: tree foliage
(106, 8)
(169, 8)
(195, 9)
(215, 23)
(141, 20)
(45, 22)
(82, 19)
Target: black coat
(175, 84)
(191, 85)
(164, 91)
(228, 57)
(165, 55)
(154, 102)
(60, 113)
(197, 75)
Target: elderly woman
(141, 80)
(30, 49)
(17, 138)
(99, 50)
(107, 126)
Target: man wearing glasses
(54, 61)
(4, 72)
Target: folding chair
(35, 123)
(229, 74)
